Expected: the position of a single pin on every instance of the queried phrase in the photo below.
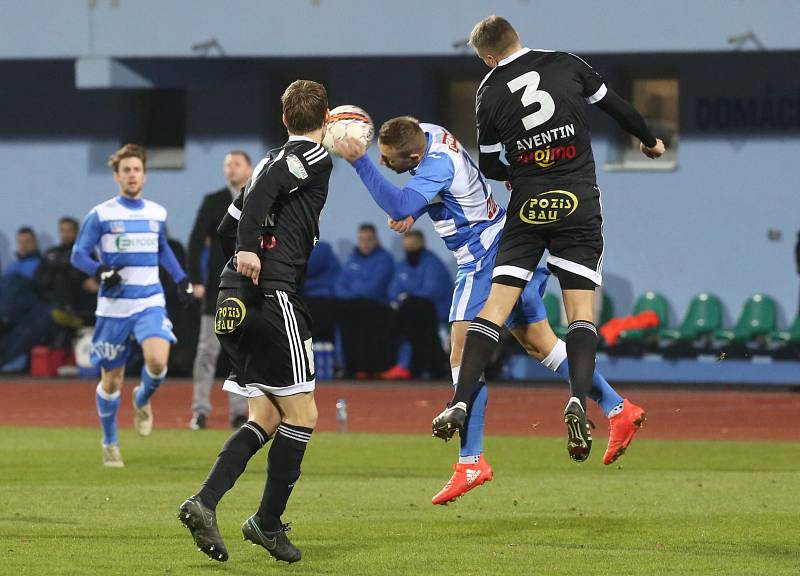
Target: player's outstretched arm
(632, 122)
(168, 260)
(397, 203)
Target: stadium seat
(785, 344)
(756, 321)
(790, 335)
(703, 318)
(553, 306)
(651, 301)
(607, 311)
(751, 332)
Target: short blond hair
(403, 133)
(127, 151)
(493, 34)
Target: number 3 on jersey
(530, 82)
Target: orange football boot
(623, 428)
(465, 478)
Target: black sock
(283, 471)
(231, 462)
(581, 341)
(481, 340)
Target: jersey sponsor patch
(230, 315)
(296, 167)
(548, 207)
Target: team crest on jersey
(296, 167)
(548, 207)
(117, 226)
(230, 315)
(154, 225)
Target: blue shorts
(111, 342)
(473, 283)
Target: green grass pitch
(363, 506)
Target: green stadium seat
(607, 311)
(553, 306)
(703, 318)
(791, 335)
(652, 301)
(756, 321)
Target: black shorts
(266, 335)
(566, 221)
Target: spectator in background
(237, 169)
(365, 317)
(318, 291)
(420, 291)
(23, 315)
(797, 259)
(72, 293)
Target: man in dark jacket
(420, 291)
(237, 169)
(365, 315)
(24, 318)
(72, 293)
(318, 291)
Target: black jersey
(532, 107)
(277, 214)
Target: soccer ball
(348, 121)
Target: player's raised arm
(489, 143)
(396, 202)
(597, 92)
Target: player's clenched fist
(351, 149)
(401, 226)
(653, 151)
(248, 264)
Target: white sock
(557, 356)
(616, 409)
(469, 459)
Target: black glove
(185, 292)
(108, 276)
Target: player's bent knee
(156, 367)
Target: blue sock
(404, 355)
(107, 407)
(472, 439)
(601, 391)
(149, 385)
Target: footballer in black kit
(531, 108)
(264, 328)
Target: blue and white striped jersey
(460, 201)
(128, 235)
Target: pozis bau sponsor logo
(548, 207)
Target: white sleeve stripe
(235, 212)
(491, 148)
(317, 159)
(312, 151)
(315, 155)
(597, 96)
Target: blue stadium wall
(703, 226)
